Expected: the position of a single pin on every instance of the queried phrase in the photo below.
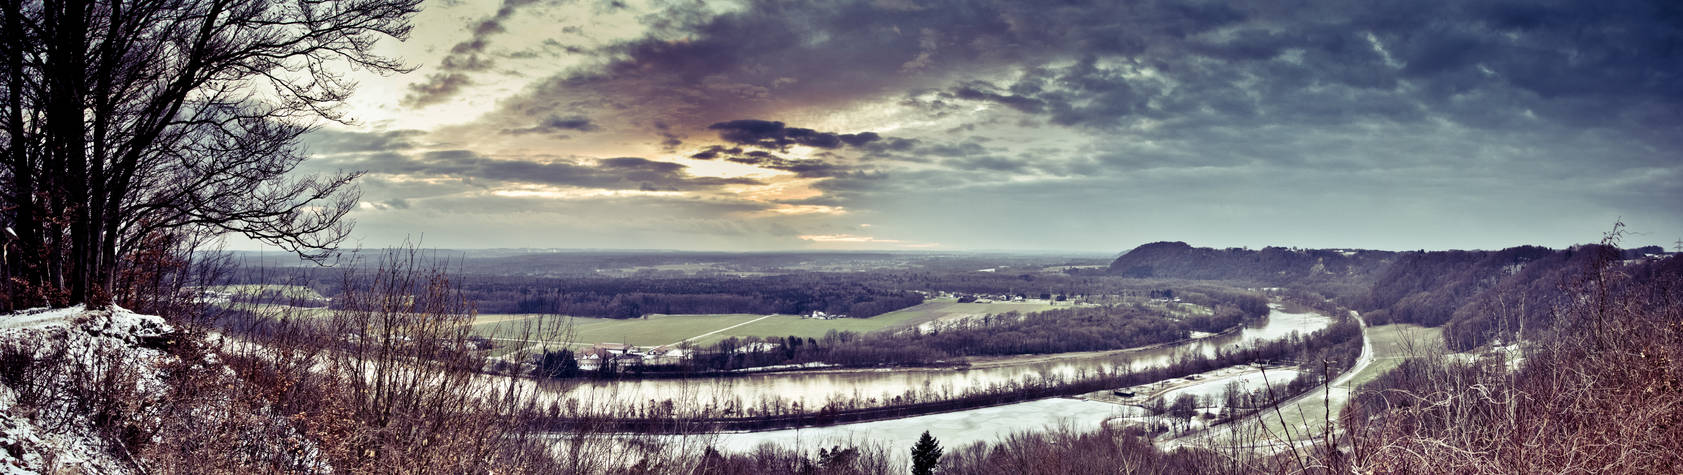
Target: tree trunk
(22, 265)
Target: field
(705, 329)
(653, 330)
(950, 309)
(1394, 343)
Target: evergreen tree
(926, 455)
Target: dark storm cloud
(773, 54)
(1192, 64)
(986, 92)
(465, 57)
(621, 173)
(716, 151)
(1484, 65)
(774, 135)
(807, 168)
(555, 124)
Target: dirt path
(721, 330)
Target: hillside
(1271, 266)
(40, 434)
(1475, 295)
(116, 392)
(1594, 390)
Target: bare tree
(128, 118)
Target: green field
(1394, 343)
(949, 309)
(651, 331)
(667, 329)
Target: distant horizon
(1058, 252)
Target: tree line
(1060, 330)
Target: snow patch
(86, 339)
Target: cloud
(716, 151)
(809, 168)
(555, 124)
(1080, 111)
(619, 173)
(465, 57)
(804, 168)
(774, 135)
(330, 141)
(669, 140)
(437, 88)
(1108, 65)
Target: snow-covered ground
(86, 338)
(954, 429)
(1212, 388)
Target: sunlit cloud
(855, 239)
(581, 193)
(808, 209)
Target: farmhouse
(664, 355)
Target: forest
(857, 294)
(1477, 296)
(1594, 387)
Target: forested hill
(1271, 265)
(1475, 295)
(1480, 295)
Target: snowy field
(953, 429)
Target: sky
(982, 125)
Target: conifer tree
(926, 455)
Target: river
(814, 389)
